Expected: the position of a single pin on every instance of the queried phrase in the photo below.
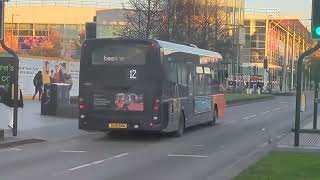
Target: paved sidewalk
(307, 141)
(33, 126)
(29, 117)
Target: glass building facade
(50, 28)
(278, 39)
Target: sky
(300, 8)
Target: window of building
(246, 22)
(262, 45)
(14, 32)
(41, 27)
(41, 33)
(247, 30)
(59, 27)
(261, 23)
(25, 33)
(25, 26)
(261, 30)
(11, 26)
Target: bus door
(189, 104)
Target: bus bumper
(101, 124)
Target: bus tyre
(214, 118)
(181, 127)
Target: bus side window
(182, 79)
(190, 81)
(199, 81)
(170, 74)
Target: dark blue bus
(148, 85)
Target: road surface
(204, 153)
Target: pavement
(31, 125)
(308, 142)
(246, 134)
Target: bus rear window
(120, 54)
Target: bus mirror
(199, 70)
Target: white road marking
(266, 112)
(275, 109)
(79, 167)
(187, 155)
(73, 151)
(284, 102)
(98, 162)
(249, 117)
(199, 146)
(93, 163)
(11, 149)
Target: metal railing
(114, 4)
(262, 12)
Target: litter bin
(54, 97)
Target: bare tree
(200, 22)
(167, 30)
(143, 20)
(214, 29)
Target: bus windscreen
(120, 54)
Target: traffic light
(254, 70)
(316, 19)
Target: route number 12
(133, 74)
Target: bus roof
(171, 46)
(188, 49)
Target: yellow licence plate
(118, 126)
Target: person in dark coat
(38, 83)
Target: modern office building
(279, 39)
(59, 23)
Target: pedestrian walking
(38, 83)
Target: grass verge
(234, 98)
(284, 166)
